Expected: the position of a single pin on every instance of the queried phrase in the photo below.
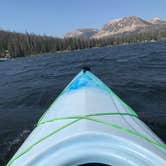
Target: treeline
(13, 44)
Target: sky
(56, 17)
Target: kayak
(88, 123)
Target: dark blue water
(137, 73)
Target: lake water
(137, 73)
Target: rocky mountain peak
(157, 20)
(126, 21)
(125, 24)
(121, 25)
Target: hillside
(118, 31)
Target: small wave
(18, 139)
(10, 147)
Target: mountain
(122, 26)
(82, 33)
(126, 24)
(157, 20)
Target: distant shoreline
(77, 50)
(124, 44)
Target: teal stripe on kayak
(155, 143)
(81, 81)
(89, 115)
(105, 87)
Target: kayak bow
(89, 123)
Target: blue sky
(56, 17)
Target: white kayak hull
(88, 123)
